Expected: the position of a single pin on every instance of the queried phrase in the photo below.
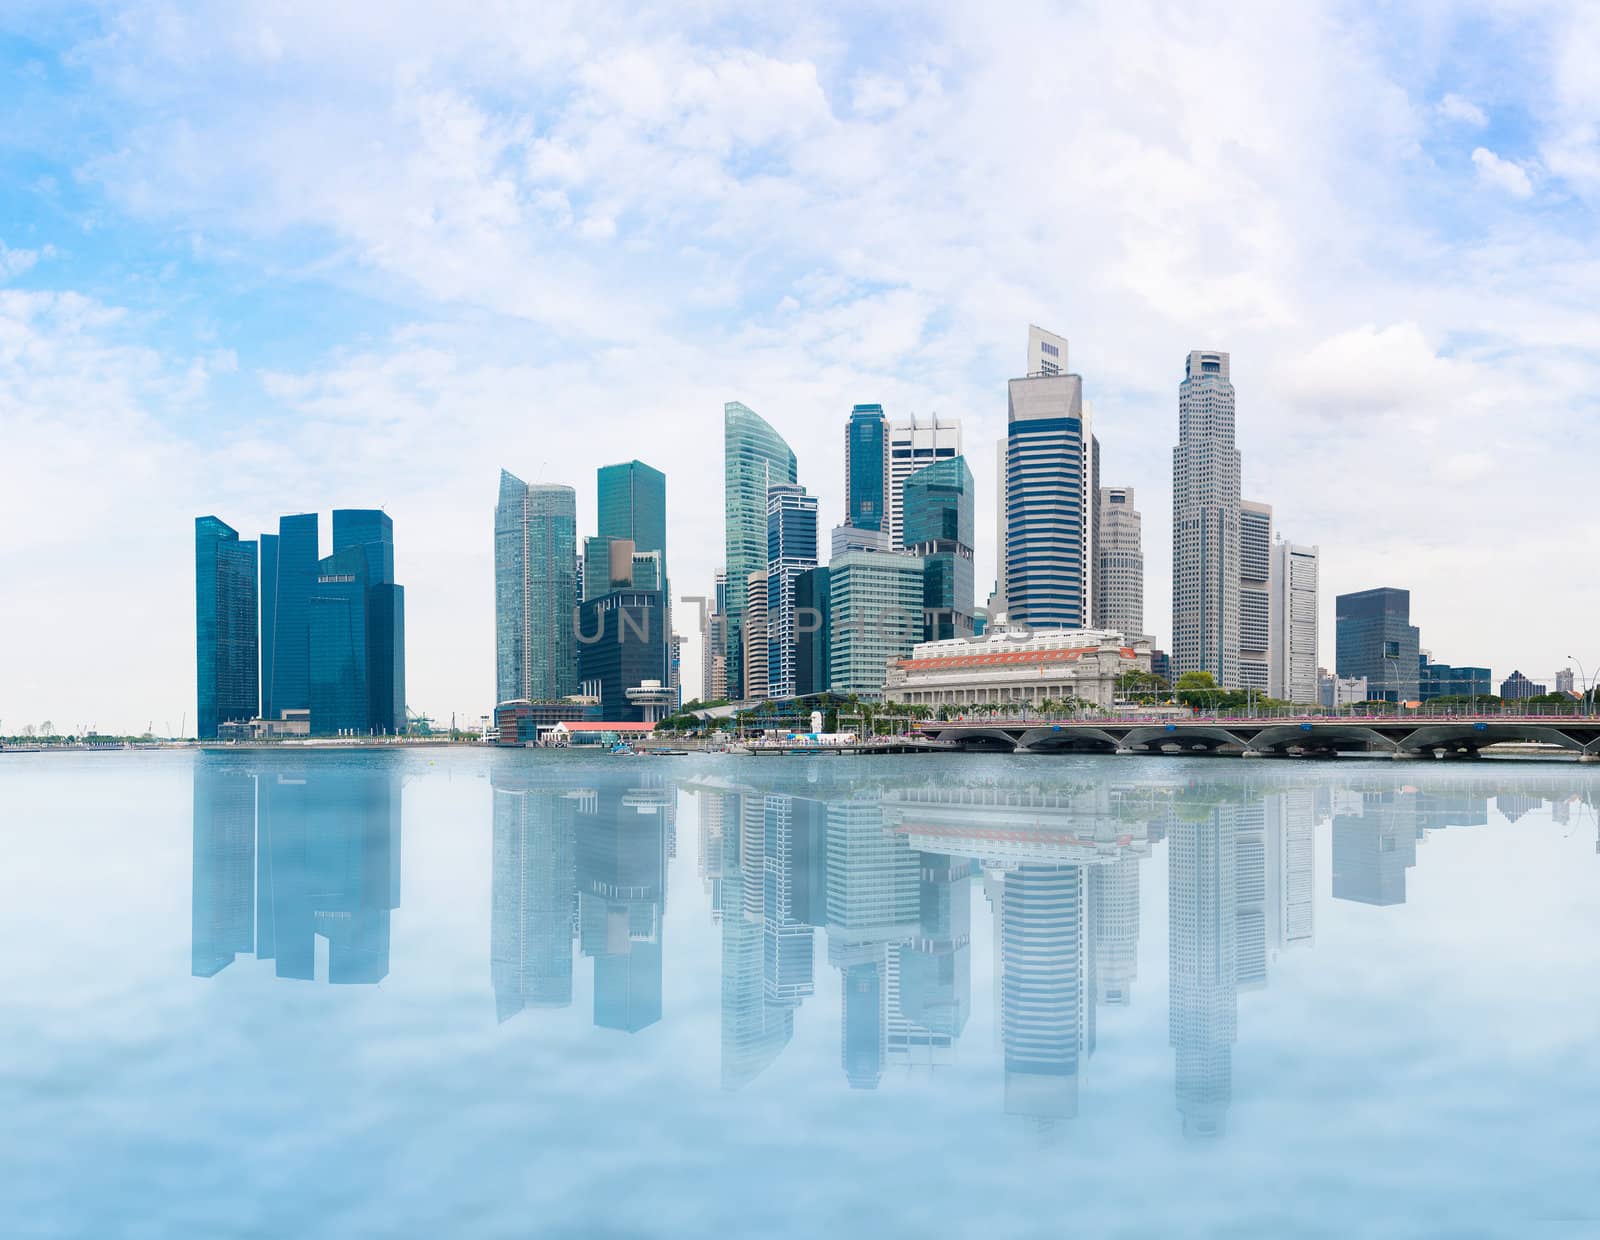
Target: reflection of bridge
(1444, 736)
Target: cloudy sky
(263, 258)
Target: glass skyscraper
(1374, 637)
(791, 550)
(535, 591)
(866, 468)
(755, 457)
(340, 704)
(371, 531)
(633, 504)
(814, 610)
(1049, 514)
(288, 572)
(938, 523)
(875, 606)
(225, 627)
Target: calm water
(523, 993)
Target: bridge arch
(1068, 740)
(1471, 735)
(1188, 737)
(1322, 738)
(992, 740)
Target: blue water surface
(458, 992)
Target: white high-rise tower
(915, 445)
(1205, 523)
(1292, 623)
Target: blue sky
(266, 258)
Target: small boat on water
(623, 749)
(667, 753)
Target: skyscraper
(226, 654)
(714, 644)
(1119, 564)
(1049, 499)
(915, 445)
(875, 609)
(938, 522)
(535, 591)
(622, 632)
(372, 531)
(288, 572)
(1292, 648)
(534, 881)
(791, 550)
(1205, 523)
(340, 680)
(755, 635)
(755, 457)
(1374, 638)
(866, 468)
(814, 610)
(632, 502)
(1255, 606)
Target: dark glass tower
(1374, 637)
(286, 614)
(813, 631)
(866, 460)
(938, 525)
(340, 703)
(371, 530)
(225, 627)
(633, 504)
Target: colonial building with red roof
(1016, 666)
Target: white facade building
(1009, 666)
(1255, 604)
(1205, 523)
(755, 637)
(1292, 623)
(1119, 564)
(915, 445)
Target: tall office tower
(621, 867)
(755, 458)
(1205, 524)
(224, 865)
(622, 634)
(864, 1016)
(814, 609)
(1373, 849)
(937, 523)
(632, 503)
(791, 550)
(866, 468)
(675, 669)
(1049, 498)
(1374, 637)
(1291, 867)
(226, 655)
(1119, 564)
(341, 700)
(372, 531)
(1047, 352)
(535, 591)
(875, 614)
(1292, 623)
(1047, 993)
(755, 1029)
(288, 572)
(1114, 886)
(913, 446)
(1203, 1000)
(1255, 598)
(534, 893)
(755, 635)
(873, 878)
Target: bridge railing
(1418, 716)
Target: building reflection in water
(586, 863)
(887, 868)
(289, 849)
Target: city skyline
(456, 267)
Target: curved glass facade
(755, 457)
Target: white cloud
(1455, 108)
(1501, 174)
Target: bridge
(1447, 736)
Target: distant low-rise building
(1437, 680)
(525, 723)
(1336, 691)
(1010, 666)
